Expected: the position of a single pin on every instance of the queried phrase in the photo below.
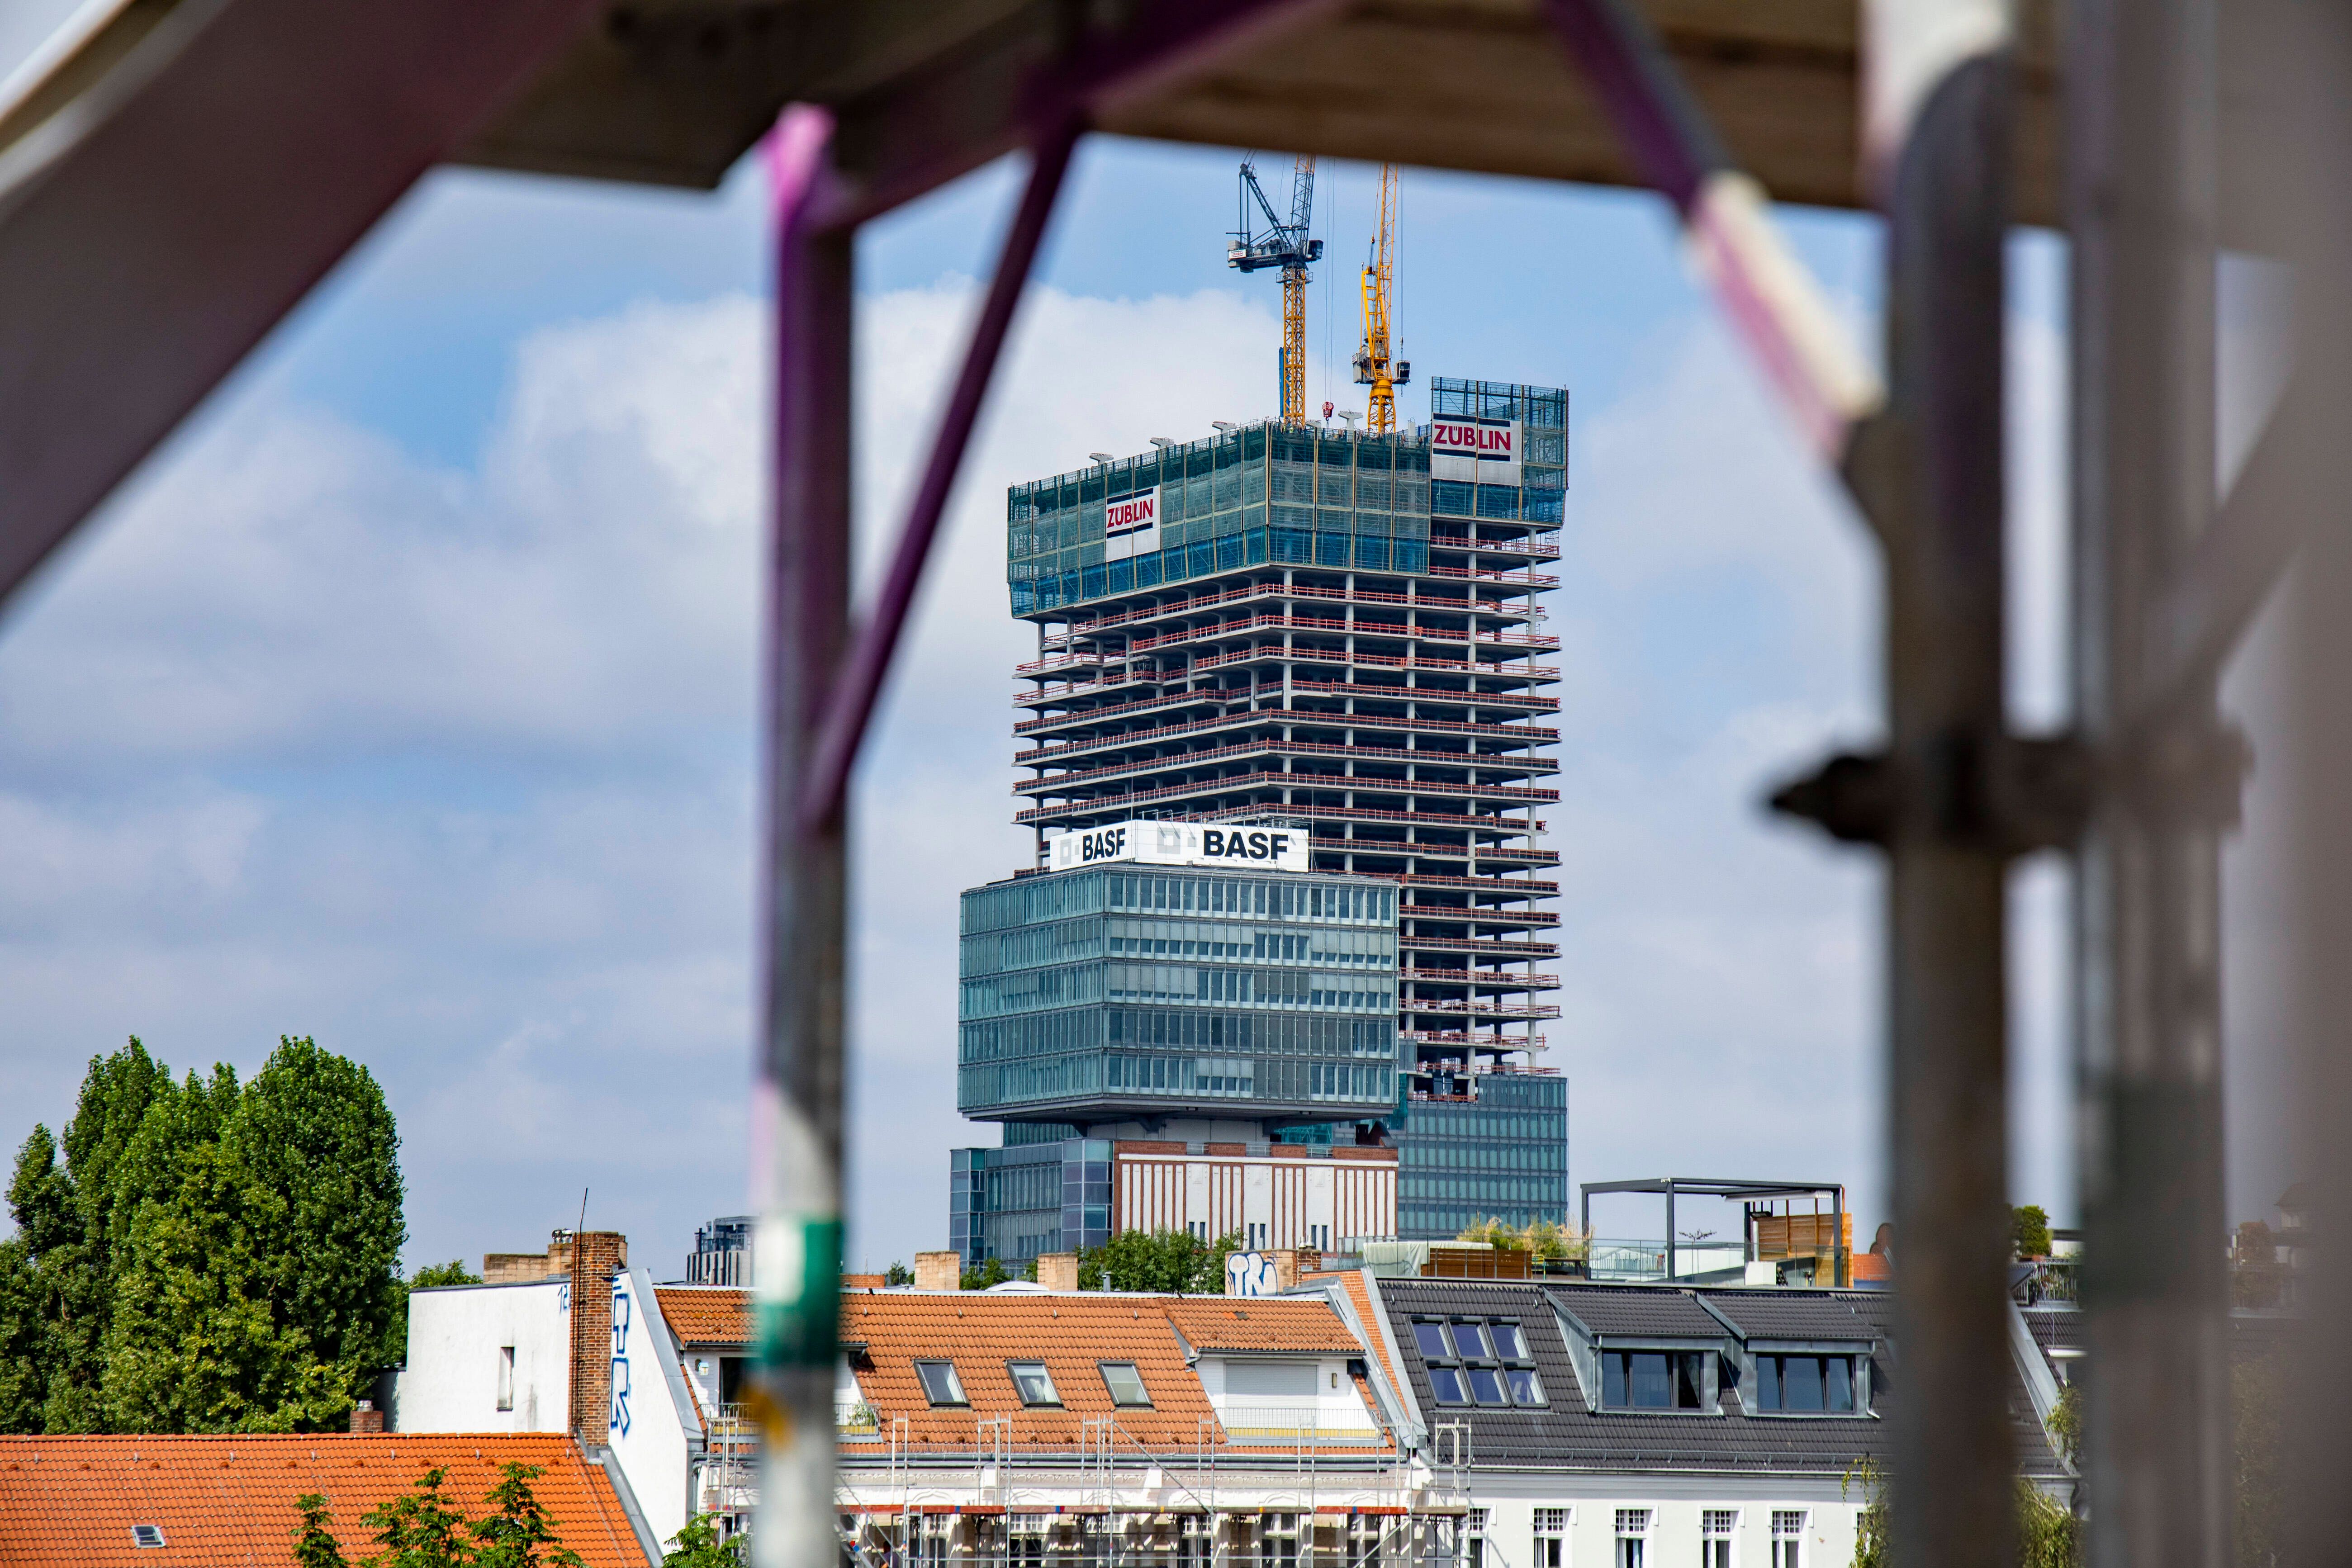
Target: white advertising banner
(1183, 844)
(1483, 451)
(1132, 524)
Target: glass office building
(1342, 633)
(1130, 993)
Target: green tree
(2047, 1534)
(421, 1528)
(518, 1533)
(1166, 1261)
(699, 1545)
(992, 1272)
(899, 1275)
(315, 1545)
(434, 1276)
(71, 1202)
(2029, 1231)
(258, 1287)
(2066, 1423)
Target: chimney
(596, 1256)
(863, 1281)
(939, 1271)
(1290, 1262)
(1058, 1270)
(366, 1418)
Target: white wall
(650, 1414)
(455, 1334)
(1255, 1393)
(1675, 1503)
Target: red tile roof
(981, 1331)
(705, 1314)
(1214, 1323)
(224, 1501)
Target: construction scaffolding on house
(171, 188)
(1298, 1498)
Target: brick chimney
(596, 1257)
(1058, 1270)
(366, 1418)
(939, 1271)
(1290, 1262)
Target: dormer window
(1805, 1385)
(1479, 1360)
(1653, 1380)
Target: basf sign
(1132, 524)
(1483, 451)
(1183, 844)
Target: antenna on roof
(583, 1212)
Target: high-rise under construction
(1333, 635)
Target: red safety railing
(1534, 642)
(1532, 700)
(1526, 735)
(1329, 748)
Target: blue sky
(404, 699)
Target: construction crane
(1374, 366)
(1286, 246)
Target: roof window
(941, 1384)
(1125, 1383)
(147, 1535)
(1033, 1382)
(1479, 1360)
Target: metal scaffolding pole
(2143, 201)
(796, 1129)
(1931, 472)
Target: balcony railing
(1645, 1259)
(1533, 700)
(1534, 642)
(1206, 602)
(1522, 734)
(1180, 760)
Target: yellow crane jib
(1374, 367)
(1286, 246)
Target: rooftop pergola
(175, 174)
(1748, 1192)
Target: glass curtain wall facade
(1122, 993)
(1017, 1201)
(1320, 631)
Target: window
(1471, 1361)
(1277, 1541)
(146, 1535)
(1653, 1380)
(1633, 1533)
(941, 1384)
(1125, 1383)
(1032, 1381)
(1473, 1539)
(1813, 1385)
(506, 1377)
(934, 1535)
(1787, 1537)
(1715, 1528)
(1551, 1530)
(733, 1370)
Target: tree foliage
(206, 1256)
(315, 1545)
(1174, 1262)
(2048, 1535)
(519, 1533)
(2029, 1231)
(420, 1528)
(698, 1545)
(899, 1275)
(1542, 1239)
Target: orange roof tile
(222, 1500)
(980, 1331)
(1368, 1314)
(705, 1314)
(1216, 1323)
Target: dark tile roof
(1567, 1435)
(1815, 1315)
(1636, 1309)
